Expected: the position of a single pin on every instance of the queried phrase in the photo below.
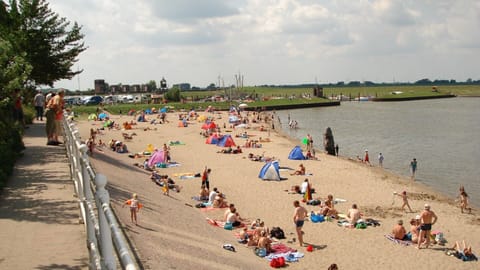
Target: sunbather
(300, 171)
(464, 253)
(399, 231)
(265, 242)
(353, 214)
(327, 208)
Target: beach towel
(397, 241)
(281, 248)
(219, 223)
(200, 199)
(290, 256)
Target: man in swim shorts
(299, 218)
(427, 219)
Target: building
(183, 86)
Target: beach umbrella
(243, 105)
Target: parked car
(95, 100)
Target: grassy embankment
(277, 96)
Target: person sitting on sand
(327, 208)
(405, 200)
(415, 229)
(244, 236)
(203, 195)
(300, 171)
(399, 231)
(212, 195)
(228, 211)
(309, 155)
(234, 218)
(464, 253)
(219, 201)
(353, 214)
(265, 242)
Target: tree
(152, 86)
(173, 94)
(51, 49)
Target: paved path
(39, 216)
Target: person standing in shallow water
(413, 168)
(380, 160)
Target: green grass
(269, 96)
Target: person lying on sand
(464, 253)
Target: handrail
(105, 239)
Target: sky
(269, 42)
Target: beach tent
(102, 116)
(92, 117)
(148, 111)
(213, 139)
(296, 153)
(226, 141)
(156, 157)
(164, 110)
(270, 171)
(209, 125)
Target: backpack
(277, 232)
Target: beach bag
(261, 252)
(277, 232)
(228, 226)
(316, 218)
(361, 225)
(200, 205)
(277, 262)
(314, 202)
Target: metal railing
(106, 241)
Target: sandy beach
(171, 234)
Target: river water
(442, 134)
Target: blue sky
(274, 42)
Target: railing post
(106, 243)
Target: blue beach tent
(270, 171)
(296, 154)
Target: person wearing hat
(399, 231)
(427, 219)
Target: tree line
(37, 47)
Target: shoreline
(399, 178)
(168, 223)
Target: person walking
(299, 217)
(39, 103)
(413, 168)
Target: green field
(274, 96)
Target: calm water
(443, 135)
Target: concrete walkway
(39, 216)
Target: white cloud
(274, 42)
